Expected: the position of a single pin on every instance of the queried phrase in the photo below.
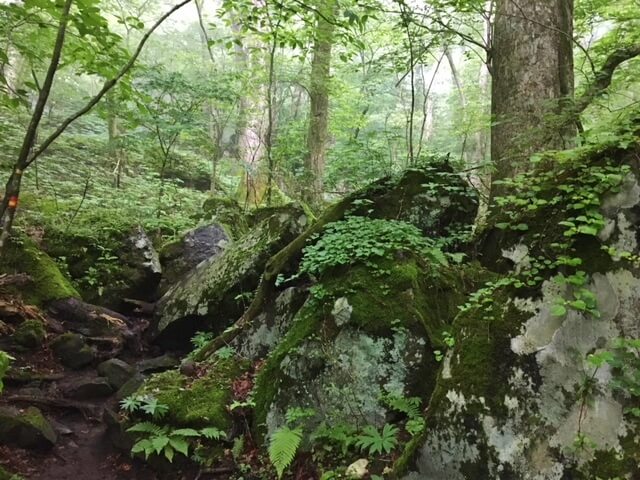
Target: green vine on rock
(563, 200)
(361, 239)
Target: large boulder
(181, 256)
(215, 294)
(366, 332)
(539, 385)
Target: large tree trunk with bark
(533, 81)
(319, 96)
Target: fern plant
(145, 403)
(378, 442)
(164, 440)
(410, 406)
(283, 447)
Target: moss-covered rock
(30, 334)
(72, 350)
(29, 429)
(22, 255)
(432, 197)
(215, 294)
(519, 396)
(228, 213)
(116, 371)
(197, 402)
(367, 331)
(108, 265)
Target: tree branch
(604, 77)
(107, 86)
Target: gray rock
(72, 350)
(158, 364)
(29, 429)
(213, 296)
(131, 387)
(183, 255)
(86, 389)
(116, 371)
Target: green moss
(30, 334)
(403, 291)
(200, 402)
(308, 322)
(7, 475)
(22, 255)
(483, 337)
(228, 213)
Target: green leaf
(558, 310)
(158, 443)
(212, 433)
(283, 446)
(169, 453)
(145, 427)
(180, 444)
(185, 432)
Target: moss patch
(199, 402)
(30, 334)
(22, 255)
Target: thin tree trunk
(12, 189)
(319, 100)
(28, 152)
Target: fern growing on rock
(283, 447)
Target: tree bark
(319, 102)
(533, 82)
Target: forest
(320, 239)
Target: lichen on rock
(214, 294)
(370, 333)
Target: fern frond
(283, 447)
(145, 427)
(212, 433)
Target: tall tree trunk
(319, 97)
(532, 69)
(250, 133)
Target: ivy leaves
(361, 239)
